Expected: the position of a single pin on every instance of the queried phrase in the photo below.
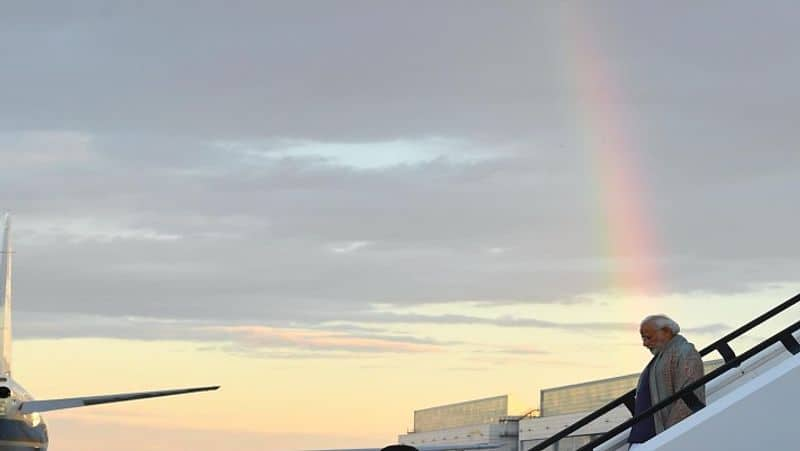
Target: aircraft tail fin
(5, 298)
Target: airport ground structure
(563, 406)
(465, 423)
(488, 421)
(752, 398)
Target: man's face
(654, 338)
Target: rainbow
(606, 138)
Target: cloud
(76, 230)
(365, 333)
(234, 174)
(524, 350)
(469, 368)
(497, 250)
(38, 150)
(356, 155)
(254, 77)
(252, 340)
(260, 177)
(30, 325)
(346, 248)
(505, 321)
(716, 329)
(268, 240)
(260, 336)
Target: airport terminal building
(464, 423)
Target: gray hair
(662, 321)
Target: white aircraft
(21, 426)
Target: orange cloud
(263, 336)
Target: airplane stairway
(759, 415)
(750, 400)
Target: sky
(344, 211)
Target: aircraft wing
(67, 403)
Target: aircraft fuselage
(19, 431)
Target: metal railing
(687, 394)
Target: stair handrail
(721, 345)
(686, 393)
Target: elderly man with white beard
(675, 364)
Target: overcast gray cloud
(285, 164)
(359, 69)
(323, 339)
(257, 340)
